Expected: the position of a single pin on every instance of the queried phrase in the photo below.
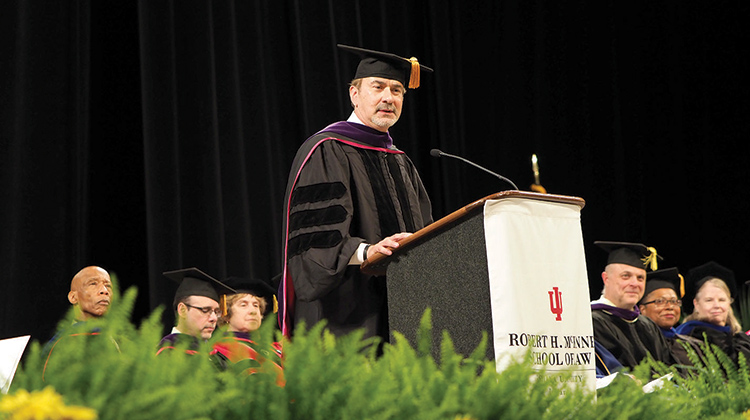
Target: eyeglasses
(206, 309)
(663, 302)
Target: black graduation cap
(387, 65)
(666, 278)
(255, 287)
(635, 255)
(698, 275)
(194, 282)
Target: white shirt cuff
(359, 255)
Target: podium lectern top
(378, 264)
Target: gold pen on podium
(536, 186)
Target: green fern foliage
(117, 373)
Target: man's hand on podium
(386, 245)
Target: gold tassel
(223, 304)
(414, 76)
(651, 259)
(275, 304)
(682, 285)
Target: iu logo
(555, 303)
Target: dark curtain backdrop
(153, 135)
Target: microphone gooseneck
(439, 153)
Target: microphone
(438, 153)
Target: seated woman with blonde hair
(245, 311)
(713, 314)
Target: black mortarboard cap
(634, 255)
(255, 287)
(387, 65)
(194, 282)
(666, 278)
(698, 275)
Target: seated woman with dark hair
(244, 315)
(713, 314)
(662, 303)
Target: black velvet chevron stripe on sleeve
(318, 217)
(301, 243)
(318, 192)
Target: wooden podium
(445, 267)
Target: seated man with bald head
(90, 292)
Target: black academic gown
(81, 330)
(190, 345)
(675, 342)
(732, 344)
(344, 190)
(630, 342)
(175, 340)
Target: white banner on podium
(11, 350)
(539, 286)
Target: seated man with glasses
(662, 304)
(196, 306)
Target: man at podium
(351, 193)
(618, 324)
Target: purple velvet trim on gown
(361, 133)
(618, 312)
(176, 339)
